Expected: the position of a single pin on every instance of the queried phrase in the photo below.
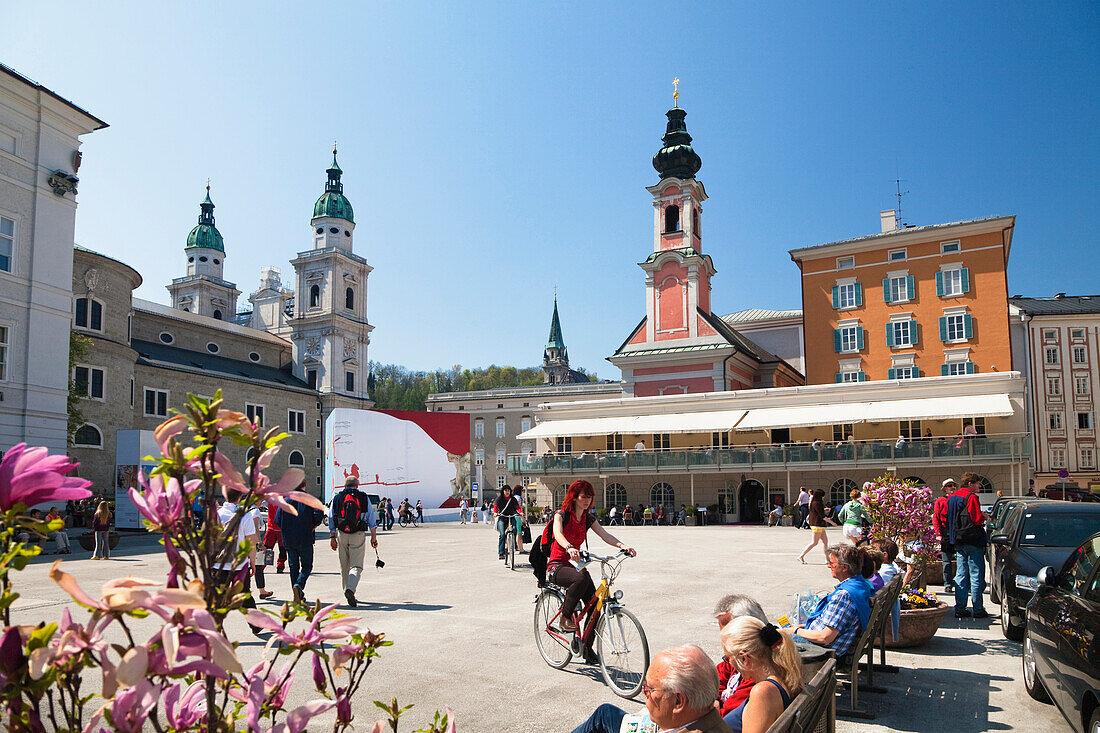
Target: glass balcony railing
(974, 449)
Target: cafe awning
(678, 422)
(804, 416)
(941, 408)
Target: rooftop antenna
(900, 193)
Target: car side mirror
(1045, 576)
(1000, 539)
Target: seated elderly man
(734, 688)
(843, 614)
(680, 687)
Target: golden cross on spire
(208, 185)
(334, 147)
(675, 92)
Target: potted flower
(921, 615)
(901, 511)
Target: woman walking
(853, 514)
(101, 526)
(816, 520)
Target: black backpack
(539, 555)
(349, 510)
(966, 531)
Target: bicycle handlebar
(587, 558)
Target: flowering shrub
(186, 676)
(918, 599)
(901, 511)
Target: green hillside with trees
(393, 387)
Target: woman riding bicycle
(571, 524)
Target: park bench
(813, 708)
(881, 603)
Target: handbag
(269, 556)
(526, 532)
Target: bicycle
(407, 518)
(509, 542)
(620, 642)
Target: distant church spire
(555, 358)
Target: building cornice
(902, 237)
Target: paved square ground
(463, 631)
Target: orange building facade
(908, 303)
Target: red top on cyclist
(571, 525)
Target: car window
(1057, 529)
(1078, 568)
(1012, 521)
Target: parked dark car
(1062, 640)
(1034, 535)
(997, 514)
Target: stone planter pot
(87, 540)
(917, 626)
(933, 573)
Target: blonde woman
(101, 525)
(759, 652)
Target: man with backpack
(966, 528)
(350, 516)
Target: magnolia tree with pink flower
(901, 510)
(186, 676)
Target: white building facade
(39, 158)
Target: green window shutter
(836, 296)
(969, 367)
(966, 279)
(836, 339)
(862, 376)
(911, 286)
(914, 332)
(943, 328)
(889, 334)
(916, 371)
(839, 377)
(886, 290)
(891, 374)
(943, 370)
(968, 325)
(859, 294)
(859, 338)
(939, 284)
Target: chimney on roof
(889, 220)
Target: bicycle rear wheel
(623, 651)
(554, 650)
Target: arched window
(672, 218)
(89, 314)
(987, 485)
(88, 436)
(217, 314)
(695, 222)
(615, 496)
(314, 296)
(662, 493)
(349, 299)
(842, 487)
(296, 459)
(559, 495)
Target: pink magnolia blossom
(184, 708)
(162, 502)
(193, 634)
(272, 686)
(129, 709)
(168, 429)
(128, 594)
(343, 706)
(319, 679)
(313, 635)
(298, 718)
(343, 654)
(275, 493)
(29, 476)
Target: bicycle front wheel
(623, 651)
(510, 550)
(552, 642)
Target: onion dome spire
(333, 203)
(677, 159)
(205, 234)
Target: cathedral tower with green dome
(203, 290)
(330, 331)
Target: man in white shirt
(640, 445)
(226, 573)
(463, 510)
(803, 506)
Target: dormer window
(320, 230)
(347, 233)
(349, 299)
(314, 296)
(217, 261)
(217, 315)
(202, 259)
(333, 230)
(672, 218)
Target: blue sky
(497, 151)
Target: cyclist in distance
(571, 525)
(506, 509)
